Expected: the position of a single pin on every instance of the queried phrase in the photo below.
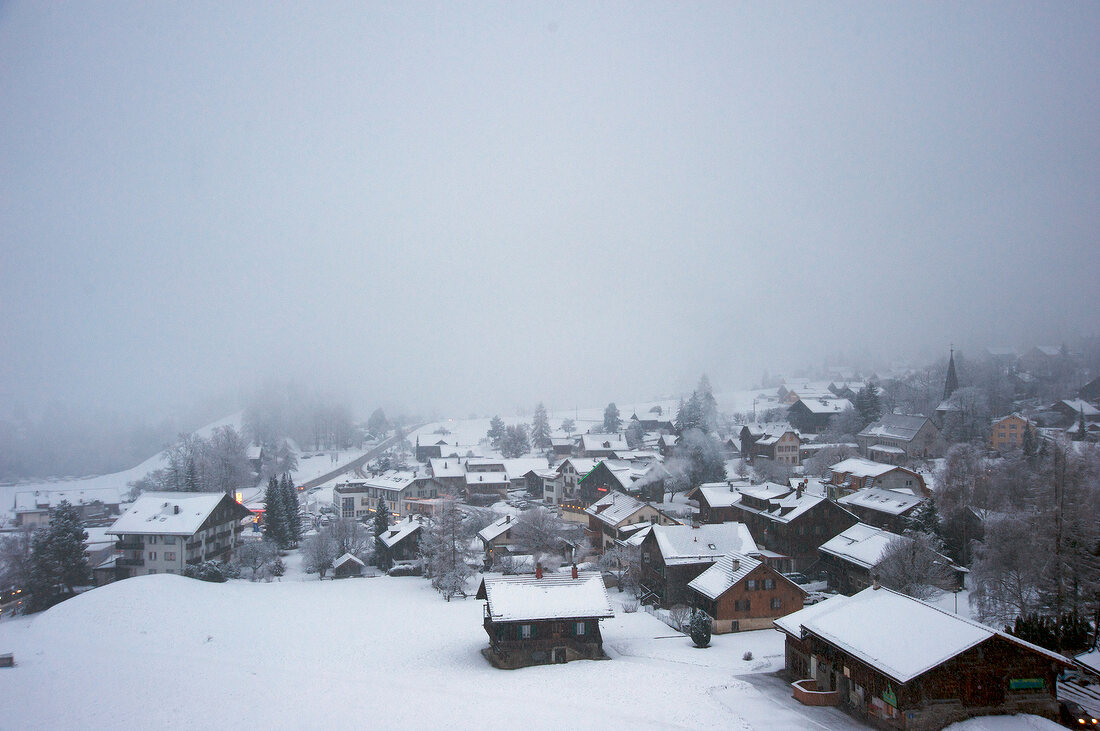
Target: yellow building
(1008, 432)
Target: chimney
(176, 509)
(507, 519)
(874, 582)
(538, 571)
(735, 565)
(798, 492)
(574, 570)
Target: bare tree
(624, 563)
(679, 615)
(1008, 569)
(911, 565)
(539, 532)
(351, 536)
(319, 551)
(258, 557)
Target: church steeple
(952, 383)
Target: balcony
(130, 545)
(192, 545)
(130, 562)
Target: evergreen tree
(58, 560)
(700, 629)
(377, 423)
(1081, 433)
(515, 442)
(381, 524)
(869, 403)
(274, 513)
(611, 421)
(540, 428)
(690, 415)
(926, 520)
(291, 506)
(496, 431)
(708, 406)
(635, 434)
(191, 478)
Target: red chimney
(574, 571)
(538, 571)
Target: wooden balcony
(130, 545)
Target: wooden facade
(754, 602)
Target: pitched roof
(861, 544)
(859, 467)
(899, 636)
(719, 494)
(895, 426)
(490, 532)
(825, 405)
(882, 500)
(600, 442)
(392, 480)
(783, 503)
(446, 467)
(400, 530)
(345, 559)
(614, 507)
(169, 513)
(29, 500)
(725, 573)
(486, 478)
(685, 544)
(554, 596)
(1081, 405)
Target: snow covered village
(560, 365)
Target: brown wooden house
(544, 619)
(900, 663)
(741, 593)
(716, 501)
(617, 516)
(791, 521)
(673, 555)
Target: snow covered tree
(377, 423)
(700, 629)
(291, 506)
(352, 537)
(258, 557)
(635, 433)
(910, 565)
(58, 560)
(15, 558)
(540, 428)
(445, 549)
(318, 552)
(1008, 570)
(611, 421)
(707, 405)
(381, 524)
(275, 519)
(496, 431)
(701, 456)
(539, 532)
(624, 563)
(567, 425)
(191, 477)
(926, 521)
(868, 403)
(515, 442)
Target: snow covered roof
(31, 500)
(486, 478)
(685, 544)
(859, 467)
(668, 440)
(401, 530)
(760, 429)
(393, 480)
(826, 405)
(446, 467)
(885, 449)
(1081, 405)
(899, 636)
(719, 494)
(602, 442)
(1051, 350)
(168, 513)
(345, 559)
(725, 573)
(614, 507)
(895, 426)
(861, 544)
(783, 503)
(562, 441)
(581, 465)
(1089, 660)
(554, 596)
(490, 532)
(892, 502)
(517, 468)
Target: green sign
(1027, 684)
(889, 696)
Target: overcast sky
(473, 207)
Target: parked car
(1073, 715)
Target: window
(750, 585)
(777, 603)
(742, 605)
(152, 540)
(581, 628)
(151, 571)
(525, 631)
(152, 555)
(769, 583)
(169, 556)
(169, 540)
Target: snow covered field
(169, 652)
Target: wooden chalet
(346, 566)
(882, 508)
(642, 478)
(402, 539)
(812, 415)
(739, 592)
(790, 521)
(618, 516)
(544, 619)
(673, 555)
(896, 438)
(849, 559)
(856, 473)
(900, 663)
(716, 500)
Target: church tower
(952, 383)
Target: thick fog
(472, 207)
